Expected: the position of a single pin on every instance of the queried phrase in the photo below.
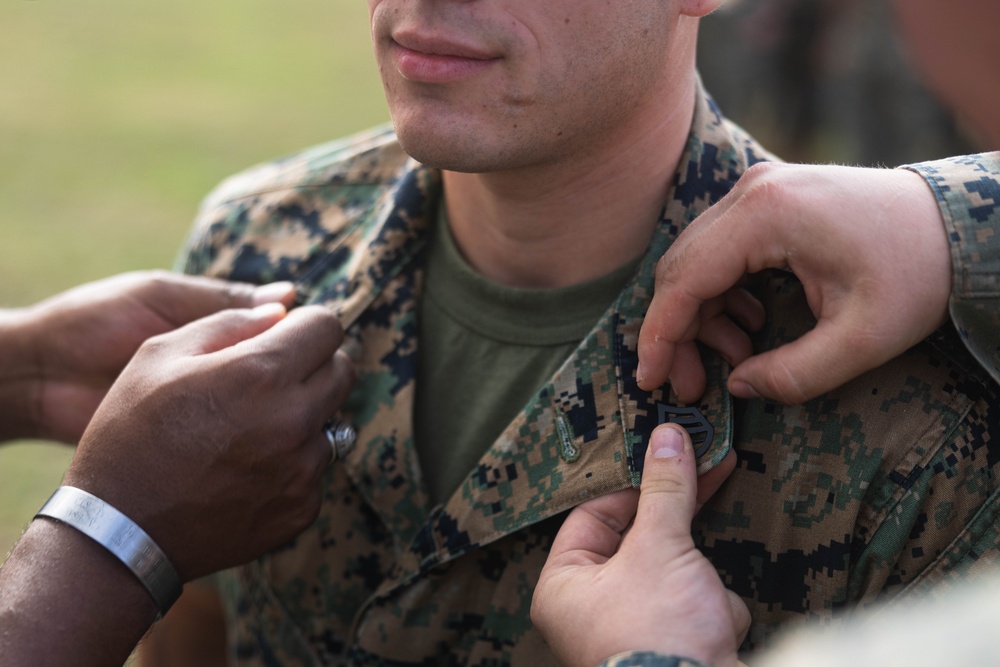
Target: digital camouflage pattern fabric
(968, 193)
(882, 489)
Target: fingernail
(666, 443)
(741, 389)
(272, 292)
(640, 373)
(266, 311)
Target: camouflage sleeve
(968, 193)
(648, 659)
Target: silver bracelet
(121, 536)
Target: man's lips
(429, 60)
(433, 45)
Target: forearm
(20, 370)
(65, 600)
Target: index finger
(711, 256)
(680, 289)
(304, 340)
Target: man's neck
(570, 222)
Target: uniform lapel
(585, 433)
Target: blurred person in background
(827, 81)
(209, 439)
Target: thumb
(223, 329)
(182, 298)
(667, 492)
(795, 372)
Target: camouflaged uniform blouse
(968, 192)
(884, 488)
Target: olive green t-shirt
(485, 350)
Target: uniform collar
(585, 432)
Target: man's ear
(699, 8)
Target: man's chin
(449, 152)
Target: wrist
(58, 577)
(121, 537)
(126, 489)
(21, 372)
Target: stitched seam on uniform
(932, 570)
(375, 139)
(624, 417)
(877, 521)
(288, 188)
(599, 490)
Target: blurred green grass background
(117, 117)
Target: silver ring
(342, 437)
